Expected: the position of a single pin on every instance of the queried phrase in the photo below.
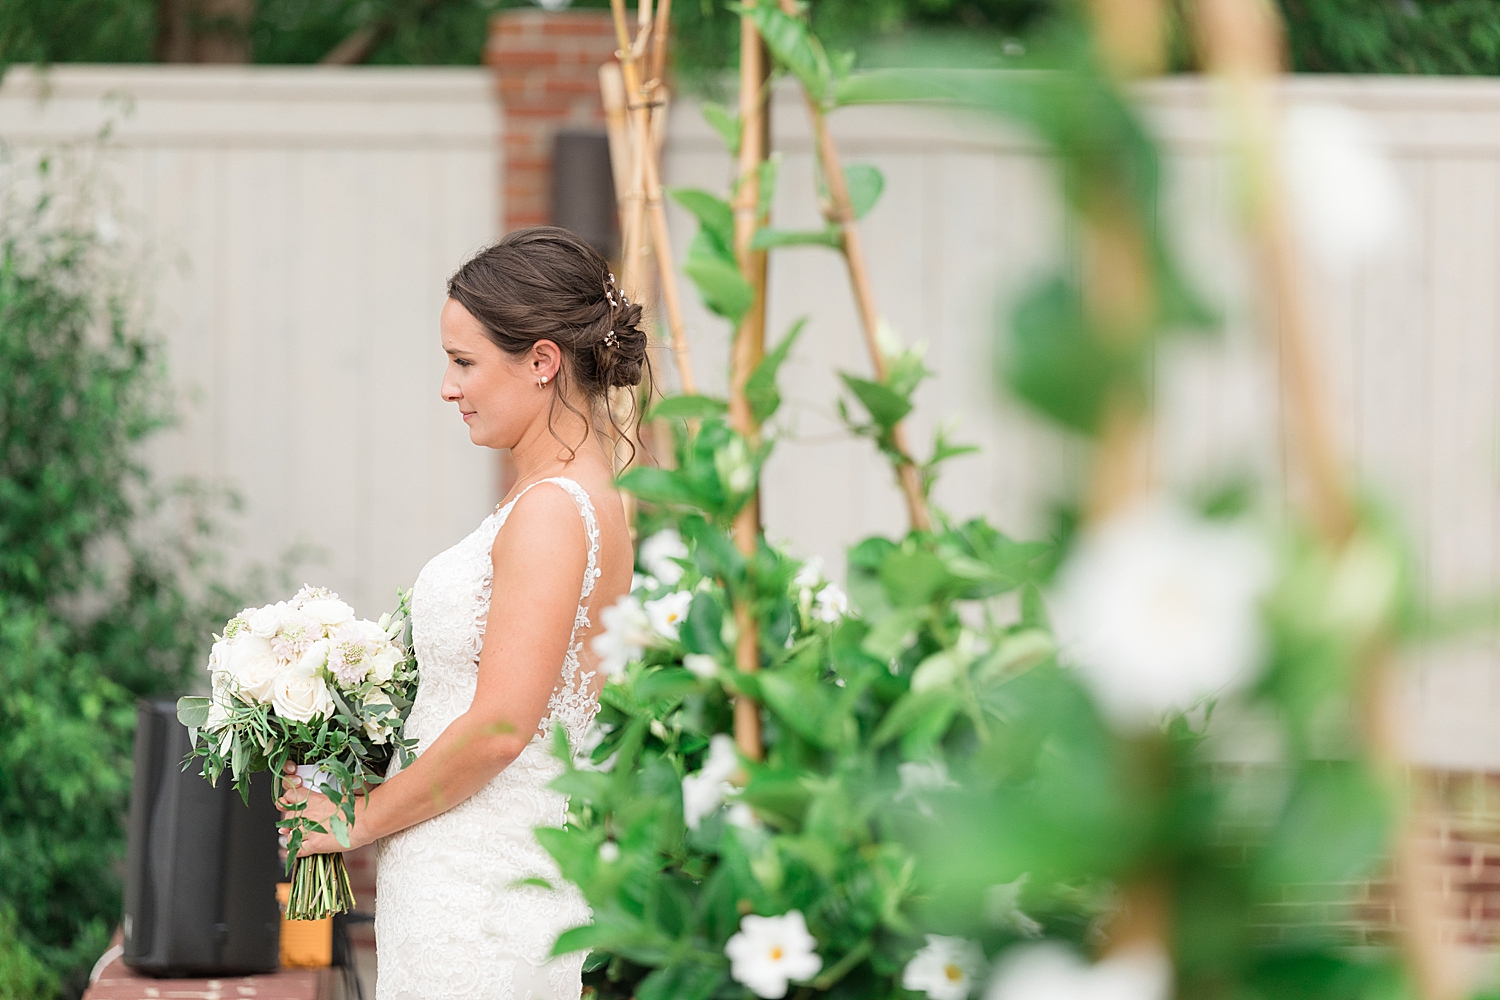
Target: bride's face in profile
(497, 394)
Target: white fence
(310, 217)
(304, 222)
(969, 216)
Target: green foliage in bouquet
(106, 581)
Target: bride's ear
(545, 360)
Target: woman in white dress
(536, 333)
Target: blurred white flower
(300, 696)
(1002, 906)
(1051, 971)
(252, 664)
(919, 776)
(658, 553)
(1158, 609)
(809, 574)
(767, 952)
(627, 632)
(639, 581)
(592, 737)
(1344, 191)
(945, 968)
(704, 792)
(831, 604)
(742, 816)
(609, 852)
(667, 612)
(701, 665)
(735, 469)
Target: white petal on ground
(768, 952)
(1159, 608)
(945, 968)
(1344, 192)
(1052, 971)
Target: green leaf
(681, 981)
(886, 408)
(1057, 365)
(865, 184)
(724, 123)
(723, 288)
(686, 407)
(766, 238)
(712, 212)
(760, 387)
(794, 46)
(916, 709)
(193, 712)
(660, 486)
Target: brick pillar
(547, 72)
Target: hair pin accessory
(610, 339)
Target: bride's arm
(539, 558)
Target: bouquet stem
(320, 888)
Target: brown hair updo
(545, 283)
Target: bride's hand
(319, 809)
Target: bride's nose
(450, 391)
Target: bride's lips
(467, 414)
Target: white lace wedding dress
(451, 921)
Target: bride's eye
(462, 363)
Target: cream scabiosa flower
(768, 952)
(1047, 971)
(1158, 609)
(667, 612)
(658, 555)
(944, 968)
(627, 632)
(704, 792)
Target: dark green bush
(102, 592)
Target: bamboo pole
(840, 212)
(640, 103)
(1242, 43)
(749, 348)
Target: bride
(536, 333)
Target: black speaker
(583, 188)
(201, 866)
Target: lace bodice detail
(450, 605)
(459, 911)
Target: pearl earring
(542, 382)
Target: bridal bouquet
(305, 681)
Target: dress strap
(590, 529)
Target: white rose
(299, 696)
(380, 717)
(264, 622)
(383, 665)
(329, 611)
(252, 664)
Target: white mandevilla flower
(609, 852)
(701, 665)
(1050, 971)
(252, 664)
(831, 604)
(300, 696)
(627, 633)
(769, 952)
(1159, 608)
(704, 792)
(1344, 189)
(945, 968)
(809, 574)
(667, 612)
(659, 552)
(329, 611)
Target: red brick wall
(547, 74)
